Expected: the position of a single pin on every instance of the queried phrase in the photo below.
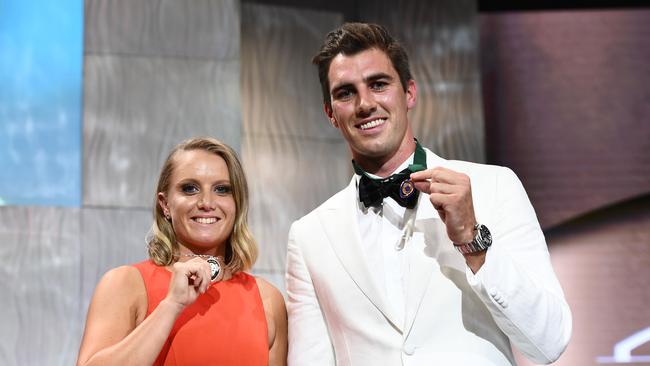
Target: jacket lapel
(346, 243)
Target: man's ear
(411, 94)
(330, 115)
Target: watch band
(482, 241)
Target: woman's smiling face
(200, 202)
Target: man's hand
(450, 194)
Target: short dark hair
(352, 38)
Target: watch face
(486, 236)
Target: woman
(191, 303)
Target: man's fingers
(444, 188)
(423, 186)
(430, 174)
(421, 176)
(439, 200)
(435, 187)
(440, 175)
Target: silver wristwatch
(482, 241)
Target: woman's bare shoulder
(123, 286)
(118, 305)
(123, 274)
(268, 292)
(123, 279)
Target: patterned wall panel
(110, 238)
(280, 85)
(294, 158)
(157, 72)
(289, 178)
(441, 39)
(39, 282)
(138, 108)
(206, 29)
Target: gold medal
(406, 189)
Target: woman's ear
(162, 202)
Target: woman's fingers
(201, 274)
(189, 279)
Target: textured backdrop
(159, 71)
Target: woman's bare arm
(115, 333)
(276, 318)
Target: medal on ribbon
(215, 268)
(406, 189)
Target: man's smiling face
(369, 105)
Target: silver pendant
(215, 268)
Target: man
(382, 275)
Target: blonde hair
(241, 249)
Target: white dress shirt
(382, 229)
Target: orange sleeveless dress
(224, 326)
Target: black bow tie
(398, 186)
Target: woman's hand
(189, 280)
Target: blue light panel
(41, 60)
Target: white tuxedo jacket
(339, 316)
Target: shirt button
(493, 291)
(409, 349)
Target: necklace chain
(216, 263)
(192, 255)
(204, 256)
